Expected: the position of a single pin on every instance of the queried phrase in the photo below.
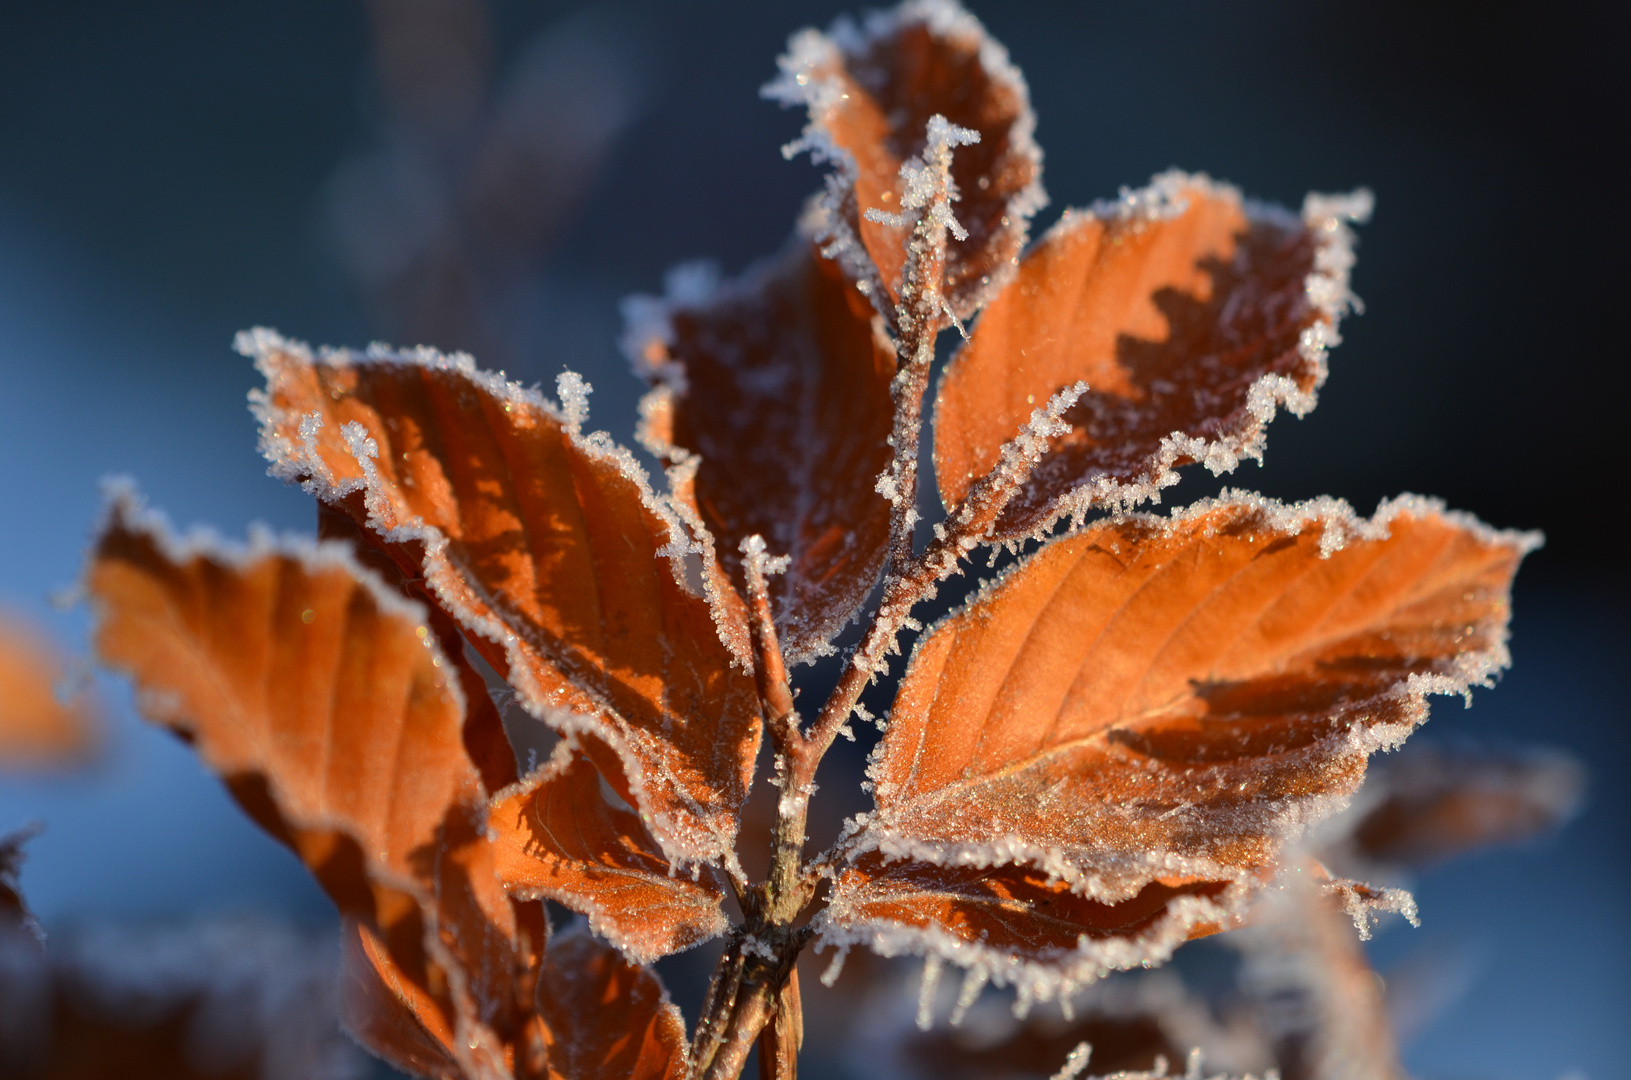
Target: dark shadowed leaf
(1117, 735)
(779, 383)
(14, 913)
(322, 699)
(558, 837)
(38, 729)
(607, 1019)
(870, 92)
(1191, 316)
(550, 549)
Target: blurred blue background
(172, 173)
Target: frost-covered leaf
(572, 578)
(323, 701)
(1139, 714)
(558, 837)
(37, 728)
(1312, 991)
(1191, 315)
(870, 91)
(779, 383)
(1435, 802)
(1129, 1021)
(607, 1019)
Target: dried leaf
(870, 93)
(324, 702)
(1435, 802)
(391, 1013)
(550, 549)
(485, 740)
(607, 1019)
(558, 837)
(37, 730)
(1129, 723)
(1191, 316)
(779, 383)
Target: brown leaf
(1136, 717)
(570, 576)
(37, 730)
(607, 1019)
(558, 837)
(389, 1012)
(1190, 315)
(1436, 802)
(484, 738)
(218, 999)
(323, 701)
(870, 92)
(779, 383)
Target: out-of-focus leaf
(1434, 802)
(870, 92)
(448, 220)
(607, 1019)
(14, 913)
(779, 383)
(239, 999)
(1119, 733)
(572, 578)
(324, 702)
(37, 729)
(1191, 316)
(558, 837)
(1130, 1021)
(1312, 990)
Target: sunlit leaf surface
(1191, 315)
(870, 92)
(570, 575)
(1117, 735)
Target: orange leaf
(558, 837)
(36, 729)
(570, 576)
(1191, 317)
(1436, 802)
(389, 1012)
(606, 1018)
(323, 701)
(779, 383)
(1146, 709)
(484, 738)
(870, 93)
